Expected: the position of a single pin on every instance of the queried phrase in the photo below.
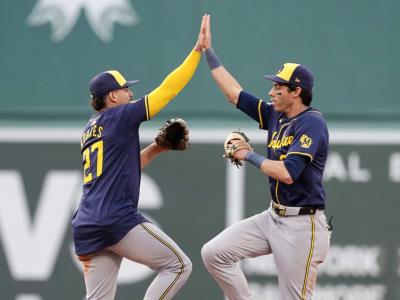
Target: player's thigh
(100, 274)
(322, 237)
(243, 239)
(299, 250)
(149, 245)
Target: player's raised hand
(197, 47)
(205, 33)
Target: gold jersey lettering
(278, 143)
(272, 140)
(93, 131)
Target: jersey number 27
(98, 146)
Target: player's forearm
(148, 154)
(173, 83)
(277, 170)
(225, 81)
(273, 168)
(227, 84)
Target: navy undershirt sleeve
(295, 164)
(255, 108)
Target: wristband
(255, 159)
(212, 59)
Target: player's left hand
(241, 154)
(205, 33)
(159, 148)
(236, 147)
(173, 135)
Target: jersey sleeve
(132, 114)
(309, 133)
(255, 108)
(295, 165)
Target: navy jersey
(305, 134)
(111, 163)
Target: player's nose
(271, 92)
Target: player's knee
(208, 254)
(185, 268)
(183, 264)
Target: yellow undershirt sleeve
(172, 84)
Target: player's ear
(297, 91)
(109, 100)
(112, 96)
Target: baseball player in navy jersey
(107, 225)
(294, 227)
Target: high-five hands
(205, 33)
(202, 34)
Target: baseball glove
(174, 134)
(235, 141)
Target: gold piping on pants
(303, 294)
(175, 252)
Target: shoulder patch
(305, 141)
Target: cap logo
(286, 71)
(118, 77)
(297, 79)
(280, 69)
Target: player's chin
(275, 106)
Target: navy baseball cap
(296, 74)
(108, 81)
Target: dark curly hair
(98, 103)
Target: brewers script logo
(101, 15)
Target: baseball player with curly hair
(107, 225)
(294, 227)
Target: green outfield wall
(50, 50)
(189, 195)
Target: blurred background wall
(50, 49)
